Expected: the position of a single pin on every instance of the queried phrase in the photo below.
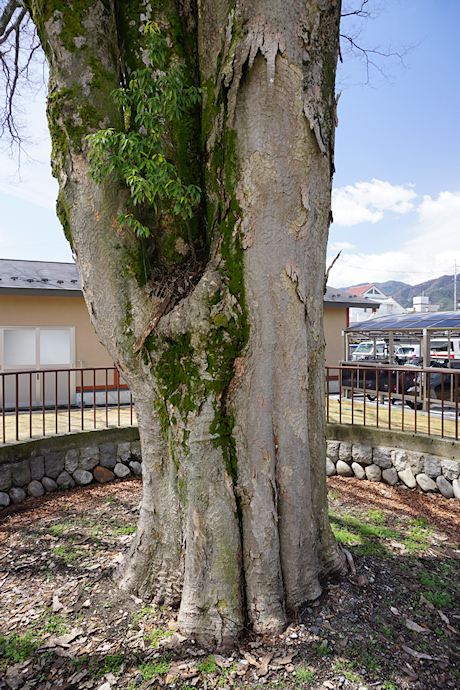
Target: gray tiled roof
(42, 277)
(48, 277)
(342, 298)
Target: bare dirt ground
(393, 623)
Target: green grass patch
(67, 553)
(158, 667)
(59, 529)
(305, 675)
(208, 665)
(143, 614)
(437, 588)
(110, 664)
(369, 534)
(369, 539)
(53, 624)
(378, 517)
(345, 668)
(18, 649)
(154, 636)
(124, 529)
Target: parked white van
(405, 353)
(439, 351)
(365, 350)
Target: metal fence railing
(406, 398)
(56, 401)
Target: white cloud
(340, 246)
(431, 253)
(366, 202)
(33, 181)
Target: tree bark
(229, 387)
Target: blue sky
(396, 200)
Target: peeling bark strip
(152, 323)
(229, 395)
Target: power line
(386, 270)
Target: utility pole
(455, 286)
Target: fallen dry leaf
(251, 659)
(427, 603)
(263, 670)
(418, 655)
(282, 661)
(443, 617)
(172, 673)
(415, 627)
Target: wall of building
(335, 320)
(24, 310)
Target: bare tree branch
(7, 14)
(358, 12)
(19, 46)
(369, 61)
(377, 59)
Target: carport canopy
(397, 329)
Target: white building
(421, 304)
(384, 305)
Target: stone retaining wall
(380, 460)
(37, 467)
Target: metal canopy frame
(408, 328)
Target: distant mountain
(439, 290)
(392, 286)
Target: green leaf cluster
(155, 96)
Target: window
(37, 347)
(19, 347)
(55, 347)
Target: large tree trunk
(228, 388)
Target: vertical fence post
(81, 400)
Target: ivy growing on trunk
(155, 96)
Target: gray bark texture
(228, 386)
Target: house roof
(18, 277)
(343, 298)
(360, 290)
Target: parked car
(406, 353)
(443, 385)
(372, 380)
(439, 349)
(365, 350)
